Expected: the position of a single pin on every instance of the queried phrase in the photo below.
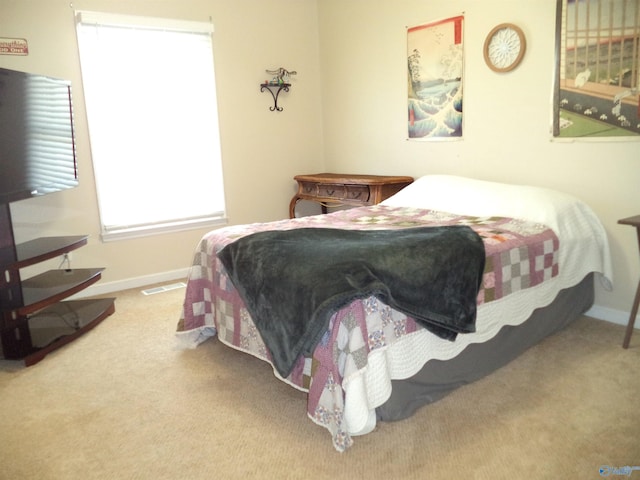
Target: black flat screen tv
(37, 144)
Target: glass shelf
(55, 285)
(39, 250)
(62, 323)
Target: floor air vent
(164, 288)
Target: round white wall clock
(504, 47)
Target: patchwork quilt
(519, 255)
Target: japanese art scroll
(434, 79)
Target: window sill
(126, 233)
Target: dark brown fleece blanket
(292, 281)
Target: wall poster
(435, 70)
(596, 94)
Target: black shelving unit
(35, 317)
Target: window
(150, 95)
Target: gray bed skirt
(439, 378)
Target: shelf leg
(16, 342)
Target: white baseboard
(610, 315)
(105, 288)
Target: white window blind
(150, 94)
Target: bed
(372, 359)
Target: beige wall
(261, 150)
(346, 112)
(507, 117)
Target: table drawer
(332, 190)
(358, 193)
(309, 188)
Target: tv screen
(37, 148)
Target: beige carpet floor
(123, 403)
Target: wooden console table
(634, 222)
(335, 189)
